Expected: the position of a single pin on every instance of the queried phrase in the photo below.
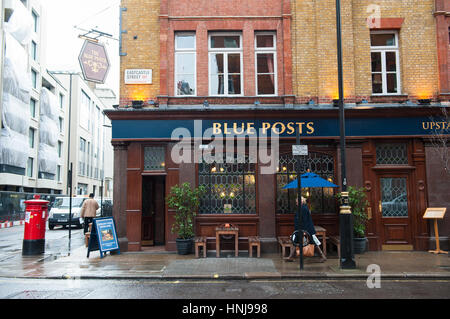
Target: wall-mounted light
(205, 103)
(311, 102)
(137, 104)
(424, 101)
(257, 103)
(336, 103)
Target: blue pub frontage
(392, 152)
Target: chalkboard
(103, 236)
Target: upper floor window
(265, 57)
(33, 49)
(225, 64)
(35, 21)
(385, 62)
(185, 64)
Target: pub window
(185, 64)
(230, 186)
(265, 58)
(154, 158)
(321, 200)
(385, 62)
(392, 153)
(225, 64)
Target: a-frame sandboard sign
(103, 236)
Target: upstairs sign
(94, 62)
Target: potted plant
(185, 201)
(358, 202)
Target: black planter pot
(359, 245)
(184, 246)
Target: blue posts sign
(308, 127)
(103, 236)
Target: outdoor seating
(285, 242)
(200, 242)
(227, 230)
(336, 240)
(253, 241)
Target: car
(59, 213)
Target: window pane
(266, 84)
(376, 61)
(377, 84)
(216, 64)
(264, 41)
(377, 40)
(391, 82)
(185, 85)
(394, 197)
(234, 84)
(217, 84)
(234, 63)
(265, 63)
(185, 63)
(185, 41)
(225, 42)
(391, 61)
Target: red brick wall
(201, 16)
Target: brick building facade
(273, 65)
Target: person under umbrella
(307, 225)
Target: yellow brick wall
(142, 20)
(314, 47)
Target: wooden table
(227, 231)
(320, 231)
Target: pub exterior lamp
(137, 104)
(424, 101)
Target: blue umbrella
(310, 180)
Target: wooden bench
(285, 242)
(253, 241)
(88, 235)
(336, 240)
(200, 242)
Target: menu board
(435, 212)
(103, 236)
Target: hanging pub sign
(103, 236)
(94, 62)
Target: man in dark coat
(307, 225)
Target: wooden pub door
(153, 194)
(395, 211)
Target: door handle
(369, 213)
(380, 208)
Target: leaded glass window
(321, 200)
(230, 186)
(154, 158)
(392, 153)
(394, 199)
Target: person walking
(307, 225)
(89, 211)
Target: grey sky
(63, 44)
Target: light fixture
(257, 102)
(424, 101)
(335, 103)
(311, 102)
(206, 103)
(137, 104)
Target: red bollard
(36, 213)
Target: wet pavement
(169, 265)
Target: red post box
(36, 213)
